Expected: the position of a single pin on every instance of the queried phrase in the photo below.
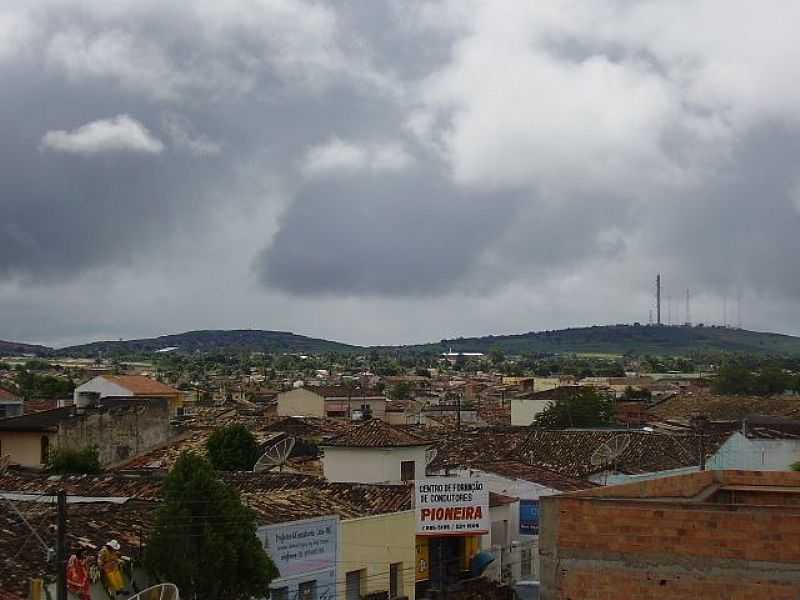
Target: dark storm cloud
(361, 152)
(399, 234)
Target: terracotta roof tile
(514, 469)
(141, 385)
(377, 434)
(6, 395)
(569, 452)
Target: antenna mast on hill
(669, 310)
(688, 322)
(739, 308)
(725, 310)
(658, 299)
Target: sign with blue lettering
(529, 517)
(304, 551)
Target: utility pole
(61, 547)
(458, 412)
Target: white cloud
(119, 134)
(342, 156)
(605, 95)
(183, 135)
(17, 30)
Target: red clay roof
(6, 395)
(140, 385)
(377, 434)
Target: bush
(232, 448)
(70, 460)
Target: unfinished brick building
(709, 535)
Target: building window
(281, 593)
(352, 583)
(395, 580)
(407, 470)
(525, 563)
(307, 591)
(45, 449)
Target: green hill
(237, 340)
(634, 339)
(21, 349)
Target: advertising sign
(529, 517)
(452, 506)
(305, 554)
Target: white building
(331, 401)
(375, 452)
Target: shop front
(452, 515)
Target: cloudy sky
(393, 172)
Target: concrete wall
(119, 433)
(595, 548)
(372, 544)
(24, 447)
(370, 465)
(523, 411)
(299, 402)
(739, 452)
(337, 407)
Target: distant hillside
(636, 339)
(20, 349)
(239, 340)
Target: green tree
(401, 391)
(496, 355)
(72, 460)
(232, 448)
(584, 408)
(204, 540)
(733, 378)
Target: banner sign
(452, 506)
(301, 547)
(529, 517)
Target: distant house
(120, 428)
(10, 405)
(136, 386)
(525, 407)
(332, 401)
(375, 452)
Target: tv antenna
(609, 451)
(275, 456)
(430, 455)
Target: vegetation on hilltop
(636, 340)
(238, 340)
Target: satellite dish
(4, 461)
(607, 452)
(160, 591)
(275, 456)
(430, 455)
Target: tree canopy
(584, 408)
(204, 540)
(73, 460)
(232, 448)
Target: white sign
(452, 506)
(301, 546)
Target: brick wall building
(709, 535)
